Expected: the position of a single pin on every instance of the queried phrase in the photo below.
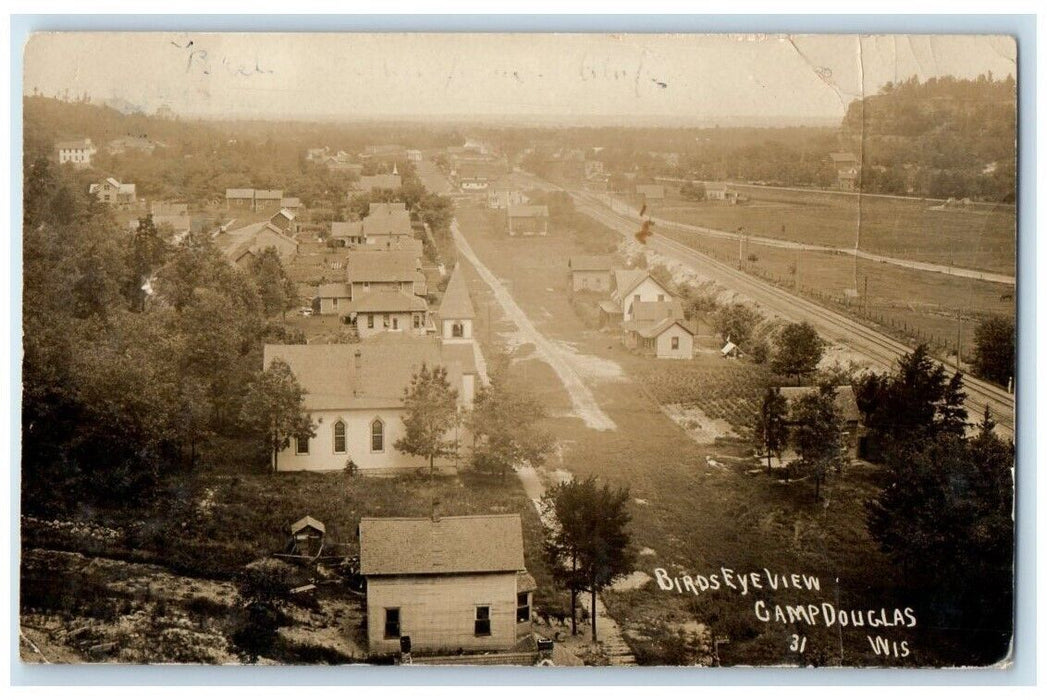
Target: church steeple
(456, 310)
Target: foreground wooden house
(449, 584)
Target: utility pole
(797, 266)
(865, 296)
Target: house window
(370, 320)
(636, 298)
(457, 330)
(339, 437)
(676, 343)
(377, 435)
(482, 624)
(301, 445)
(661, 297)
(385, 320)
(523, 607)
(417, 321)
(334, 303)
(392, 623)
(396, 323)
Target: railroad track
(871, 343)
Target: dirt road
(555, 355)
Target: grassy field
(979, 237)
(696, 507)
(919, 306)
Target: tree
(946, 519)
(430, 413)
(771, 432)
(916, 402)
(506, 425)
(147, 252)
(994, 350)
(736, 322)
(275, 289)
(694, 191)
(817, 433)
(273, 409)
(589, 547)
(799, 350)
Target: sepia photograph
(518, 349)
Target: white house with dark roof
(447, 583)
(354, 398)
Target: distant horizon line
(499, 119)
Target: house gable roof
(449, 545)
(625, 281)
(381, 266)
(528, 210)
(334, 377)
(658, 310)
(387, 220)
(307, 521)
(590, 263)
(653, 329)
(846, 404)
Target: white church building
(354, 391)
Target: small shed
(730, 350)
(307, 536)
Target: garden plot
(702, 429)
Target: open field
(697, 507)
(918, 306)
(979, 237)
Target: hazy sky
(704, 77)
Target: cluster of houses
(474, 167)
(354, 391)
(243, 244)
(650, 319)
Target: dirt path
(583, 402)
